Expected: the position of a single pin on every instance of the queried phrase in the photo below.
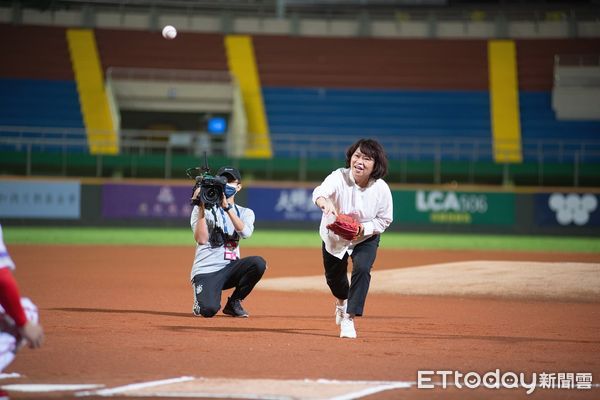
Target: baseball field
(448, 316)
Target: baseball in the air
(169, 32)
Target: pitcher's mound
(509, 279)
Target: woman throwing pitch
(360, 192)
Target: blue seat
(457, 121)
(558, 141)
(411, 115)
(50, 105)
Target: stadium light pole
(280, 8)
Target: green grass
(262, 238)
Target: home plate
(261, 389)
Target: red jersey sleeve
(10, 298)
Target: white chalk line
(41, 387)
(202, 395)
(134, 386)
(381, 386)
(45, 387)
(366, 392)
(10, 376)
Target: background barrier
(289, 206)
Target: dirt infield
(120, 315)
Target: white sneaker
(340, 311)
(347, 328)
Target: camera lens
(210, 195)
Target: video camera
(211, 187)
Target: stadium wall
(147, 203)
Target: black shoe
(235, 309)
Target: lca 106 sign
(450, 207)
(451, 202)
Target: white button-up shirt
(371, 206)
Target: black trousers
(336, 274)
(242, 274)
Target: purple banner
(283, 204)
(145, 201)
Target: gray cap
(233, 172)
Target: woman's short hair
(373, 149)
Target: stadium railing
(437, 9)
(298, 157)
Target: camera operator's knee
(208, 312)
(260, 264)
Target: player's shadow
(241, 329)
(245, 329)
(189, 314)
(174, 314)
(400, 335)
(121, 311)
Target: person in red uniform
(18, 316)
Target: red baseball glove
(345, 226)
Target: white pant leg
(9, 337)
(31, 310)
(8, 348)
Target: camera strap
(237, 210)
(231, 242)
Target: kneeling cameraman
(217, 265)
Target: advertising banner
(40, 199)
(283, 204)
(450, 207)
(567, 209)
(145, 201)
